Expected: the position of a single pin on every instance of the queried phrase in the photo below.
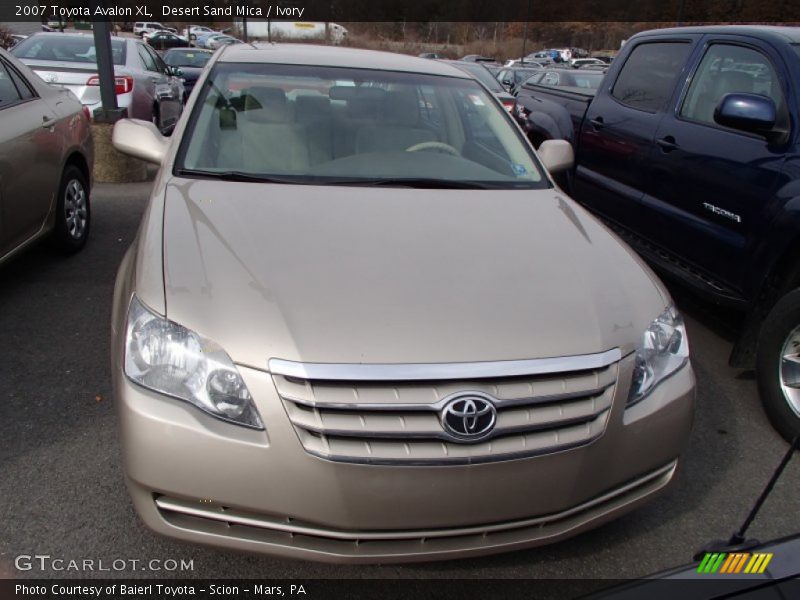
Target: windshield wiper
(415, 182)
(235, 176)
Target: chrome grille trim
(437, 406)
(399, 422)
(441, 371)
(232, 516)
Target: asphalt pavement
(62, 492)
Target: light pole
(525, 31)
(110, 111)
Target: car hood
(396, 275)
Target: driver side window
(727, 69)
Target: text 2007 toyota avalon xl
(359, 323)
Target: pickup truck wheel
(778, 365)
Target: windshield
(66, 48)
(304, 124)
(480, 73)
(187, 58)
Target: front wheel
(73, 212)
(778, 365)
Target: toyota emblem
(469, 416)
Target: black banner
(674, 11)
(743, 588)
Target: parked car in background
(46, 159)
(578, 63)
(551, 104)
(690, 148)
(479, 72)
(478, 58)
(145, 85)
(215, 42)
(599, 68)
(511, 78)
(204, 39)
(412, 206)
(527, 62)
(163, 40)
(493, 68)
(140, 28)
(191, 32)
(433, 55)
(580, 80)
(190, 62)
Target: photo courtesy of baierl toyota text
(336, 299)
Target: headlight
(170, 359)
(664, 350)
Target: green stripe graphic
(701, 568)
(718, 563)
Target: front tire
(73, 211)
(778, 365)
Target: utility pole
(525, 32)
(110, 111)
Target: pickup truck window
(727, 69)
(648, 76)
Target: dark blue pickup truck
(690, 150)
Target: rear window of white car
(65, 48)
(302, 124)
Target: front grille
(398, 421)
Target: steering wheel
(433, 146)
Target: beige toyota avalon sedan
(360, 323)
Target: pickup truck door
(616, 138)
(708, 184)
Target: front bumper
(199, 479)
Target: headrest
(734, 81)
(311, 108)
(402, 108)
(266, 104)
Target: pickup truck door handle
(667, 144)
(597, 122)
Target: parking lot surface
(62, 492)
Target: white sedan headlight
(170, 359)
(664, 351)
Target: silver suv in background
(142, 27)
(145, 85)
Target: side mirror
(746, 112)
(140, 139)
(174, 71)
(556, 155)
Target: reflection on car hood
(393, 275)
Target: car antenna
(738, 541)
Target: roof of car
(776, 32)
(332, 56)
